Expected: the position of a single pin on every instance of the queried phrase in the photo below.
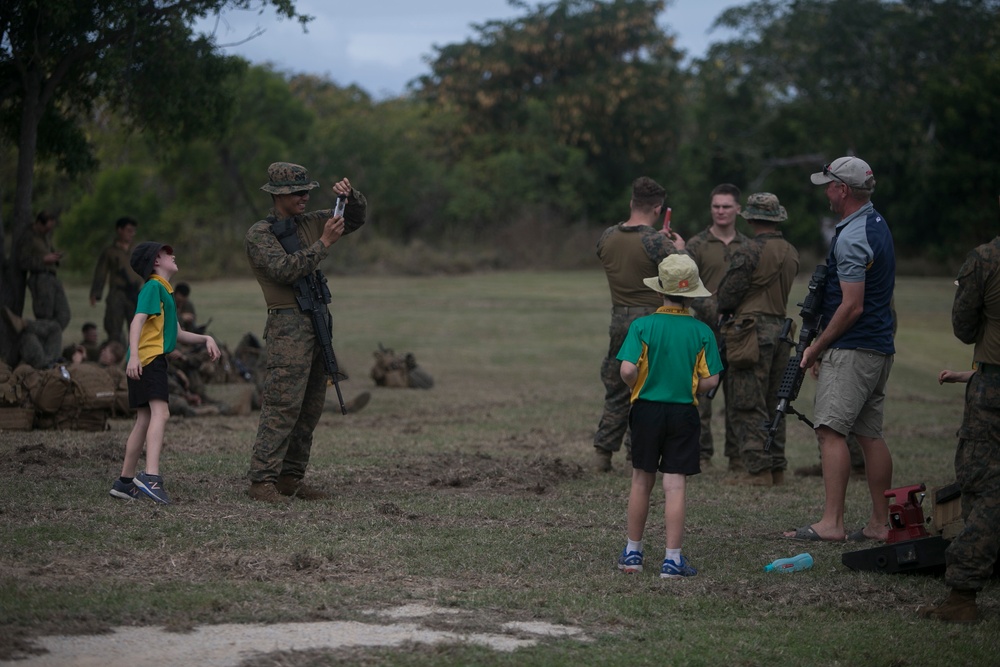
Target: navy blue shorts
(665, 437)
(151, 385)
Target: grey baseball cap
(850, 170)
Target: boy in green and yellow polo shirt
(152, 336)
(668, 359)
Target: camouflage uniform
(971, 555)
(713, 257)
(123, 290)
(47, 294)
(294, 389)
(629, 254)
(757, 283)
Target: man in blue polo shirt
(854, 352)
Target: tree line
(538, 123)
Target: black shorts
(151, 385)
(665, 437)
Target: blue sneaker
(672, 570)
(630, 562)
(125, 491)
(152, 486)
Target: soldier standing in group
(629, 251)
(755, 289)
(294, 388)
(971, 556)
(123, 283)
(40, 259)
(712, 250)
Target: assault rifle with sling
(791, 381)
(312, 295)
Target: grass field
(476, 496)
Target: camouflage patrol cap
(764, 206)
(285, 178)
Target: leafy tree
(58, 58)
(884, 80)
(604, 73)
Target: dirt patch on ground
(230, 645)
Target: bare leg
(674, 486)
(878, 470)
(136, 439)
(159, 413)
(836, 461)
(638, 503)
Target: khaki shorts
(850, 394)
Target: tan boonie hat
(764, 206)
(678, 277)
(851, 171)
(285, 178)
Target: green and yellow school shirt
(159, 333)
(672, 351)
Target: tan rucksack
(399, 370)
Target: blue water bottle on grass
(793, 564)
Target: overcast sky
(381, 44)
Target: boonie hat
(764, 206)
(144, 257)
(678, 276)
(285, 178)
(850, 170)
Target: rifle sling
(284, 231)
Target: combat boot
(958, 607)
(777, 477)
(294, 486)
(267, 492)
(602, 460)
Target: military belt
(628, 310)
(282, 311)
(988, 369)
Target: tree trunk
(13, 280)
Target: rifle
(312, 295)
(791, 381)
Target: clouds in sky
(382, 44)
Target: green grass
(477, 495)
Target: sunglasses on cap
(827, 172)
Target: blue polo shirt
(862, 251)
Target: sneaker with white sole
(630, 562)
(672, 570)
(125, 491)
(152, 487)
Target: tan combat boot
(294, 486)
(958, 607)
(267, 492)
(602, 460)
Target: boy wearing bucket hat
(754, 293)
(667, 360)
(153, 334)
(294, 389)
